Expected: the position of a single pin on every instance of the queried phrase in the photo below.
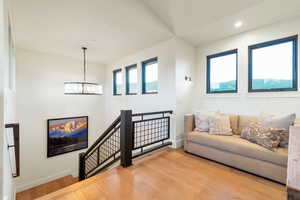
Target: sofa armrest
(189, 123)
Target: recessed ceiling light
(238, 24)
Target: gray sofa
(235, 151)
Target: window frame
(115, 81)
(127, 69)
(221, 54)
(293, 39)
(144, 65)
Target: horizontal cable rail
(129, 136)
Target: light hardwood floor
(172, 175)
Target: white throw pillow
(219, 124)
(202, 121)
(282, 122)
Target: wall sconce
(188, 78)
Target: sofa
(235, 151)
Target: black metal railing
(129, 136)
(104, 152)
(151, 131)
(16, 146)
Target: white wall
(40, 96)
(185, 66)
(7, 105)
(176, 58)
(243, 102)
(166, 97)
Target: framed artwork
(65, 135)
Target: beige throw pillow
(282, 122)
(219, 124)
(202, 121)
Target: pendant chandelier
(83, 87)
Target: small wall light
(188, 78)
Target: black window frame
(144, 65)
(115, 82)
(294, 39)
(127, 69)
(221, 54)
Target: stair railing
(128, 137)
(16, 146)
(103, 153)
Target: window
(273, 65)
(222, 72)
(131, 79)
(150, 76)
(117, 82)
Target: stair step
(46, 188)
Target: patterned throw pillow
(219, 124)
(262, 136)
(202, 121)
(284, 136)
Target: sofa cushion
(237, 145)
(244, 121)
(234, 124)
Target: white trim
(177, 144)
(222, 95)
(273, 95)
(291, 94)
(43, 180)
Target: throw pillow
(202, 121)
(219, 124)
(282, 122)
(258, 134)
(284, 136)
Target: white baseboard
(178, 144)
(25, 186)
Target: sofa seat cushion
(237, 145)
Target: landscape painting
(67, 135)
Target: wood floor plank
(172, 175)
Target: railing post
(126, 138)
(81, 167)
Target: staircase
(128, 137)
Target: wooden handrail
(16, 146)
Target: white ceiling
(203, 21)
(115, 28)
(109, 28)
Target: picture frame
(65, 135)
